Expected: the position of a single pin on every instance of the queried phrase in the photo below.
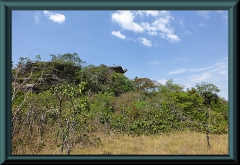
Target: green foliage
(102, 79)
(208, 92)
(67, 58)
(144, 84)
(95, 98)
(65, 70)
(120, 84)
(170, 87)
(95, 77)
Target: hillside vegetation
(64, 103)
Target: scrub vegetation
(63, 106)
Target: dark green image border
(6, 7)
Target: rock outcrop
(118, 69)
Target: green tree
(170, 87)
(68, 118)
(208, 92)
(144, 84)
(120, 84)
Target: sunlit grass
(177, 143)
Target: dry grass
(178, 143)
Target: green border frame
(6, 6)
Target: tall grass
(176, 143)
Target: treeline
(67, 101)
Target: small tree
(22, 74)
(209, 94)
(66, 93)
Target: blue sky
(188, 47)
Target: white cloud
(162, 81)
(152, 33)
(146, 42)
(118, 34)
(200, 77)
(153, 13)
(216, 74)
(223, 72)
(178, 71)
(148, 27)
(163, 12)
(173, 37)
(163, 24)
(200, 69)
(125, 19)
(219, 66)
(160, 26)
(204, 14)
(55, 17)
(37, 17)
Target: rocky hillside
(40, 76)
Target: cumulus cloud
(118, 34)
(173, 37)
(37, 17)
(152, 12)
(55, 17)
(146, 42)
(160, 26)
(126, 20)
